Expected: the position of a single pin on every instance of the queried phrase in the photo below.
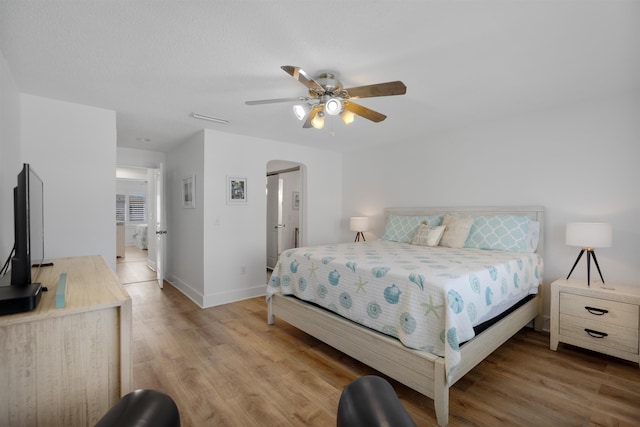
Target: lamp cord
(5, 267)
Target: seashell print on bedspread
(428, 298)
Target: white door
(161, 230)
(274, 219)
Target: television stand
(18, 299)
(67, 366)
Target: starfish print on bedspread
(430, 308)
(312, 270)
(360, 285)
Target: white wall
(10, 163)
(185, 236)
(72, 147)
(580, 162)
(209, 245)
(240, 238)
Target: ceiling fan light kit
(333, 107)
(328, 97)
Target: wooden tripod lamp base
(589, 235)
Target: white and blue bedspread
(428, 298)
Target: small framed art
(189, 192)
(236, 190)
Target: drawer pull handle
(596, 334)
(596, 311)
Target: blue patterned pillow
(402, 228)
(500, 232)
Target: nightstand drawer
(594, 334)
(600, 310)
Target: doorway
(136, 225)
(285, 207)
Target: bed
(422, 313)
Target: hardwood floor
(132, 268)
(225, 366)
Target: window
(130, 208)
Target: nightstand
(598, 319)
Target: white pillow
(456, 231)
(426, 236)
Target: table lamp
(588, 236)
(359, 224)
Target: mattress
(429, 298)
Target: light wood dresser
(67, 366)
(595, 318)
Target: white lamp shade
(589, 234)
(359, 223)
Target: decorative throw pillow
(427, 236)
(401, 228)
(456, 231)
(500, 232)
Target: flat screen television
(28, 215)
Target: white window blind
(120, 201)
(136, 208)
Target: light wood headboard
(536, 213)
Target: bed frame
(421, 371)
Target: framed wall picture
(236, 190)
(296, 200)
(189, 192)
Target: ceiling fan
(327, 96)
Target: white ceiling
(463, 62)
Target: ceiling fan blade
(274, 101)
(304, 78)
(312, 115)
(365, 112)
(380, 89)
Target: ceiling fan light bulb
(333, 107)
(299, 111)
(318, 121)
(347, 117)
